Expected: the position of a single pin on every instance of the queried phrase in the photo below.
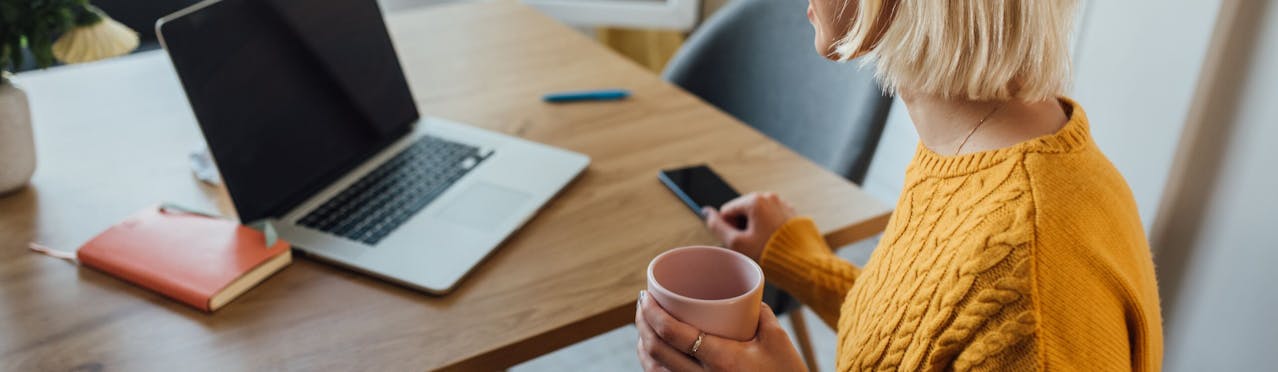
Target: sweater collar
(1073, 136)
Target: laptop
(308, 116)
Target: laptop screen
(290, 94)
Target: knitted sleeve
(797, 259)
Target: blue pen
(589, 95)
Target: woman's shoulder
(1081, 188)
(1092, 257)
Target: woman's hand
(665, 344)
(762, 213)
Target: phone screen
(698, 187)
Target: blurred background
(1183, 97)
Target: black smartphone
(698, 187)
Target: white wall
(1218, 271)
(1136, 63)
(1226, 309)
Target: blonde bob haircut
(986, 50)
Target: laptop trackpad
(484, 206)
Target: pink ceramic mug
(714, 289)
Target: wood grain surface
(113, 137)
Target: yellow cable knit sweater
(1023, 258)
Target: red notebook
(202, 261)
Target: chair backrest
(754, 59)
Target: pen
(589, 95)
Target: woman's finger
(665, 326)
(680, 335)
(739, 207)
(768, 322)
(651, 363)
(720, 227)
(656, 352)
(646, 362)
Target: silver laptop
(308, 116)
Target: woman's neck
(944, 123)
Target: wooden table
(113, 137)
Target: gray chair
(754, 59)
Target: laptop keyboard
(369, 209)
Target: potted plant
(70, 31)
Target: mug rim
(744, 296)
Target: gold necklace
(974, 128)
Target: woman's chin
(826, 50)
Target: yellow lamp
(102, 39)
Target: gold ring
(696, 345)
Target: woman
(1015, 244)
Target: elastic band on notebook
(172, 207)
(69, 256)
(264, 226)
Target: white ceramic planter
(17, 143)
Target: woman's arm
(797, 259)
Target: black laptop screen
(290, 94)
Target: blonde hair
(973, 49)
